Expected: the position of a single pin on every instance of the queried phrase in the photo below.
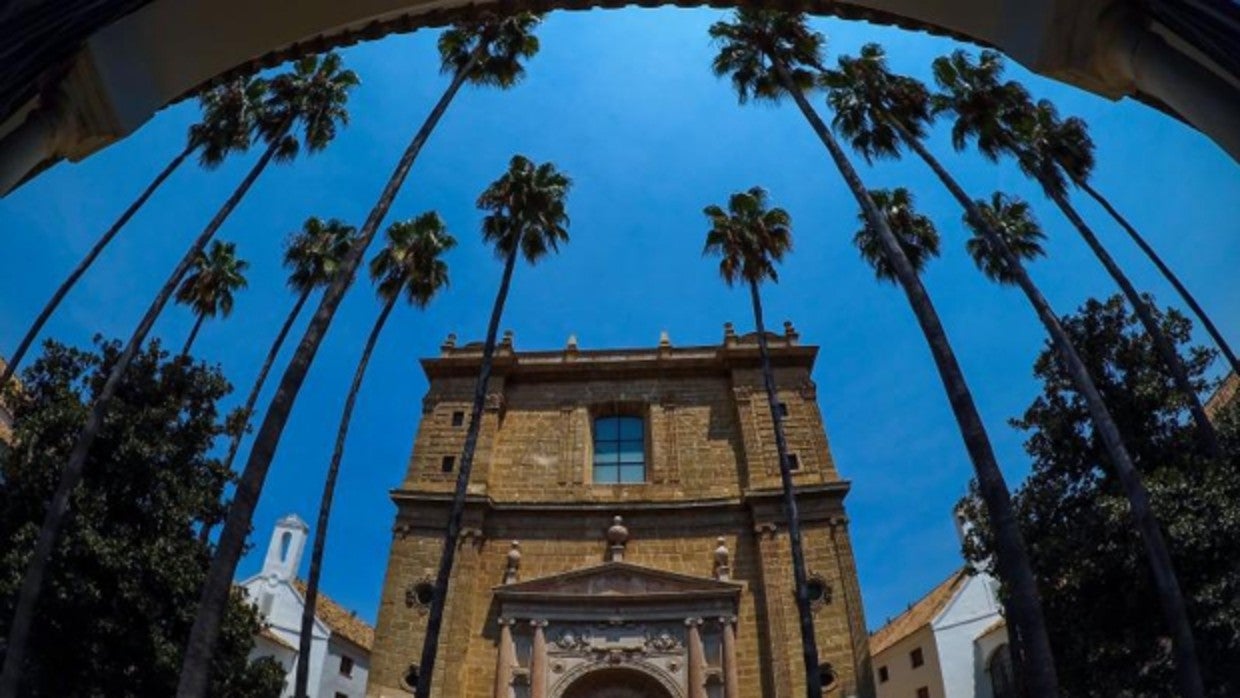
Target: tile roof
(919, 614)
(342, 621)
(1226, 394)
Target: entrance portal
(616, 683)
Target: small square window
(883, 676)
(916, 658)
(794, 462)
(449, 462)
(341, 695)
(346, 666)
(783, 409)
(923, 692)
(458, 418)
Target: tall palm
(410, 265)
(228, 117)
(485, 51)
(526, 217)
(209, 287)
(312, 256)
(769, 55)
(920, 241)
(879, 113)
(1047, 149)
(750, 240)
(312, 96)
(1006, 234)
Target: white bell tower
(284, 551)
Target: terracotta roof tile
(342, 621)
(917, 615)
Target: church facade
(624, 534)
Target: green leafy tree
(229, 116)
(769, 55)
(526, 217)
(311, 96)
(208, 289)
(409, 266)
(750, 239)
(122, 583)
(1052, 152)
(485, 51)
(1074, 513)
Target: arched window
(286, 542)
(1002, 675)
(619, 450)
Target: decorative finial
(618, 537)
(506, 342)
(729, 334)
(572, 342)
(448, 344)
(790, 332)
(723, 569)
(665, 341)
(514, 563)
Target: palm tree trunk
(1171, 277)
(87, 261)
(32, 582)
(434, 620)
(809, 643)
(325, 507)
(250, 400)
(1037, 661)
(234, 444)
(193, 334)
(1206, 434)
(1023, 607)
(196, 664)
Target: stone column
(731, 677)
(505, 659)
(538, 661)
(697, 659)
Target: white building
(340, 648)
(951, 643)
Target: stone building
(624, 534)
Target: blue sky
(623, 101)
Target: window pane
(630, 453)
(605, 474)
(606, 448)
(630, 427)
(632, 473)
(607, 428)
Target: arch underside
(104, 67)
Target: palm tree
(1036, 663)
(313, 96)
(1003, 120)
(750, 239)
(410, 265)
(484, 51)
(228, 117)
(526, 217)
(208, 289)
(313, 256)
(770, 54)
(1005, 233)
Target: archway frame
(583, 672)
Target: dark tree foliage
(1100, 604)
(124, 581)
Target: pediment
(618, 580)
